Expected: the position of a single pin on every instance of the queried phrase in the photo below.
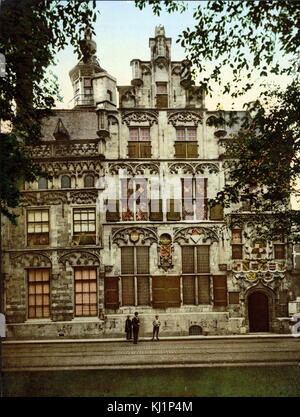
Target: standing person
(156, 325)
(135, 327)
(128, 328)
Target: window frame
(142, 145)
(81, 210)
(83, 281)
(194, 199)
(34, 284)
(136, 276)
(41, 222)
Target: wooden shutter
(192, 150)
(220, 290)
(279, 251)
(128, 291)
(142, 259)
(188, 283)
(155, 209)
(180, 150)
(113, 211)
(187, 255)
(216, 212)
(111, 293)
(162, 100)
(159, 292)
(127, 260)
(203, 289)
(203, 258)
(173, 212)
(145, 149)
(133, 150)
(172, 285)
(143, 291)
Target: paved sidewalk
(163, 338)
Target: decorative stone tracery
(178, 118)
(193, 168)
(196, 234)
(134, 235)
(133, 168)
(133, 117)
(79, 258)
(31, 260)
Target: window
(87, 87)
(194, 198)
(109, 95)
(195, 284)
(134, 199)
(279, 251)
(85, 292)
(186, 145)
(89, 181)
(38, 293)
(43, 183)
(139, 144)
(65, 181)
(236, 244)
(37, 227)
(161, 95)
(84, 226)
(135, 275)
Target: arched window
(65, 181)
(43, 183)
(89, 181)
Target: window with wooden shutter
(166, 291)
(155, 210)
(161, 95)
(113, 211)
(84, 226)
(127, 267)
(203, 289)
(135, 275)
(194, 198)
(220, 290)
(173, 207)
(279, 251)
(111, 293)
(134, 199)
(139, 144)
(186, 145)
(203, 258)
(196, 287)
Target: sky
(122, 34)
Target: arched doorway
(258, 312)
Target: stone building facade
(124, 223)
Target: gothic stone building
(124, 224)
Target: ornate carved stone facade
(124, 222)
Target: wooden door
(258, 312)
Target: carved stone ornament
(181, 117)
(30, 199)
(132, 169)
(67, 148)
(79, 258)
(78, 168)
(196, 234)
(133, 117)
(134, 235)
(193, 168)
(30, 260)
(247, 280)
(53, 198)
(84, 197)
(165, 250)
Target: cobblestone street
(94, 354)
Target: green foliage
(31, 33)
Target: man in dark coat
(128, 328)
(135, 327)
